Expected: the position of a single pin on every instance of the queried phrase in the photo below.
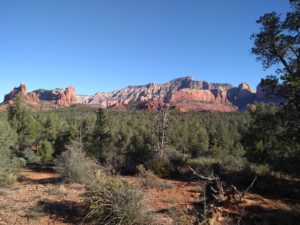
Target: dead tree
(161, 120)
(219, 194)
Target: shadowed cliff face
(183, 94)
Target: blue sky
(108, 44)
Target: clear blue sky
(108, 44)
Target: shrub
(177, 161)
(46, 151)
(261, 169)
(30, 156)
(112, 202)
(9, 161)
(35, 213)
(161, 167)
(150, 180)
(9, 164)
(74, 166)
(231, 163)
(7, 178)
(203, 164)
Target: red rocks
(188, 99)
(67, 97)
(21, 89)
(33, 96)
(200, 100)
(222, 96)
(191, 95)
(183, 94)
(51, 99)
(188, 94)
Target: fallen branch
(203, 177)
(245, 192)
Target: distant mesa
(182, 94)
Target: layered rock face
(181, 91)
(46, 98)
(183, 94)
(191, 99)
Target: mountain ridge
(183, 94)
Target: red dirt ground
(38, 198)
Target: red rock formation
(50, 98)
(221, 96)
(67, 97)
(182, 94)
(21, 89)
(191, 95)
(200, 100)
(33, 97)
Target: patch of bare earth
(171, 204)
(39, 198)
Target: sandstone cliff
(153, 95)
(43, 98)
(182, 94)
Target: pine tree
(278, 43)
(100, 136)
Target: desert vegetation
(243, 166)
(97, 147)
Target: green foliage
(139, 151)
(203, 164)
(6, 178)
(261, 169)
(46, 151)
(125, 139)
(188, 136)
(22, 122)
(161, 167)
(74, 166)
(9, 164)
(100, 137)
(263, 136)
(8, 136)
(30, 156)
(277, 44)
(112, 202)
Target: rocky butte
(43, 99)
(182, 94)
